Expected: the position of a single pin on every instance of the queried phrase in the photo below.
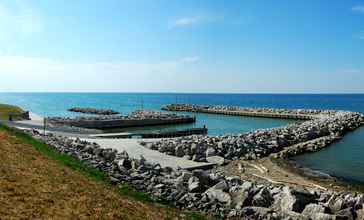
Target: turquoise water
(342, 159)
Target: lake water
(342, 159)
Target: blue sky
(246, 46)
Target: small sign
(44, 123)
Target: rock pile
(302, 137)
(94, 111)
(136, 114)
(210, 193)
(200, 108)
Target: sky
(182, 46)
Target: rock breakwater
(202, 108)
(209, 193)
(94, 111)
(136, 118)
(283, 142)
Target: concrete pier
(156, 134)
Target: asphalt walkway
(135, 150)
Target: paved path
(131, 146)
(134, 150)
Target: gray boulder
(194, 187)
(240, 198)
(203, 176)
(196, 158)
(336, 203)
(359, 203)
(262, 200)
(292, 199)
(179, 151)
(171, 147)
(216, 160)
(195, 149)
(125, 163)
(144, 168)
(89, 149)
(210, 152)
(346, 213)
(322, 216)
(186, 175)
(168, 170)
(311, 210)
(222, 185)
(109, 155)
(98, 151)
(218, 194)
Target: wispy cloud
(359, 9)
(223, 61)
(182, 22)
(20, 21)
(35, 74)
(351, 72)
(188, 21)
(204, 17)
(190, 59)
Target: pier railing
(262, 114)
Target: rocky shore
(95, 111)
(209, 193)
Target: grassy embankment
(37, 182)
(5, 110)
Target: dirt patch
(278, 172)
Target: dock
(155, 134)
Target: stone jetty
(307, 114)
(286, 141)
(214, 194)
(95, 111)
(136, 118)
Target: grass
(5, 108)
(5, 112)
(37, 182)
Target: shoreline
(330, 181)
(250, 190)
(287, 172)
(303, 171)
(319, 175)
